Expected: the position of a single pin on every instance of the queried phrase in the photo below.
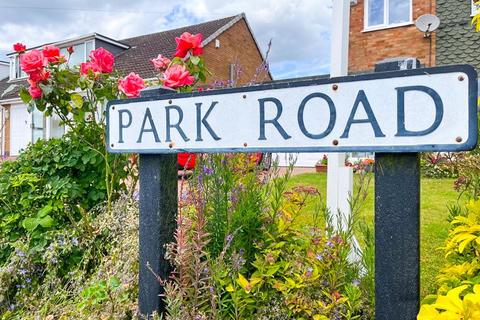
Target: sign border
(469, 144)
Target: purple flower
(19, 253)
(208, 171)
(136, 196)
(319, 257)
(28, 280)
(356, 282)
(75, 241)
(23, 272)
(309, 272)
(229, 238)
(11, 307)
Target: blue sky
(299, 29)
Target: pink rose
(161, 62)
(131, 85)
(188, 42)
(177, 76)
(32, 61)
(85, 67)
(35, 92)
(19, 47)
(103, 59)
(52, 54)
(39, 76)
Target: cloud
(299, 29)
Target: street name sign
(418, 110)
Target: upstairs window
(475, 7)
(387, 13)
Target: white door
(20, 130)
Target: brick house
(385, 29)
(229, 45)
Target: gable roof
(146, 47)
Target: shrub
(240, 252)
(458, 295)
(87, 272)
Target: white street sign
(405, 111)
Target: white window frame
(14, 67)
(385, 24)
(475, 8)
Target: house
(229, 46)
(385, 29)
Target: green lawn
(435, 195)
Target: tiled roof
(146, 47)
(143, 48)
(457, 41)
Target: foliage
(290, 271)
(50, 186)
(440, 165)
(87, 271)
(462, 272)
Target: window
(80, 53)
(387, 13)
(475, 7)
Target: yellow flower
(452, 307)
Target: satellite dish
(427, 23)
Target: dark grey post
(397, 232)
(158, 212)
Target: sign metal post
(157, 221)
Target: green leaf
(77, 100)
(46, 222)
(114, 282)
(30, 224)
(24, 95)
(44, 211)
(195, 60)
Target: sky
(299, 29)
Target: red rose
(177, 76)
(39, 76)
(35, 92)
(19, 47)
(103, 59)
(70, 50)
(52, 54)
(85, 67)
(188, 42)
(161, 63)
(33, 61)
(131, 85)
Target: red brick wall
(237, 46)
(367, 48)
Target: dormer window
(80, 52)
(381, 14)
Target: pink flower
(19, 47)
(70, 50)
(52, 54)
(35, 92)
(188, 42)
(85, 67)
(103, 59)
(131, 85)
(39, 76)
(177, 76)
(161, 62)
(33, 61)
